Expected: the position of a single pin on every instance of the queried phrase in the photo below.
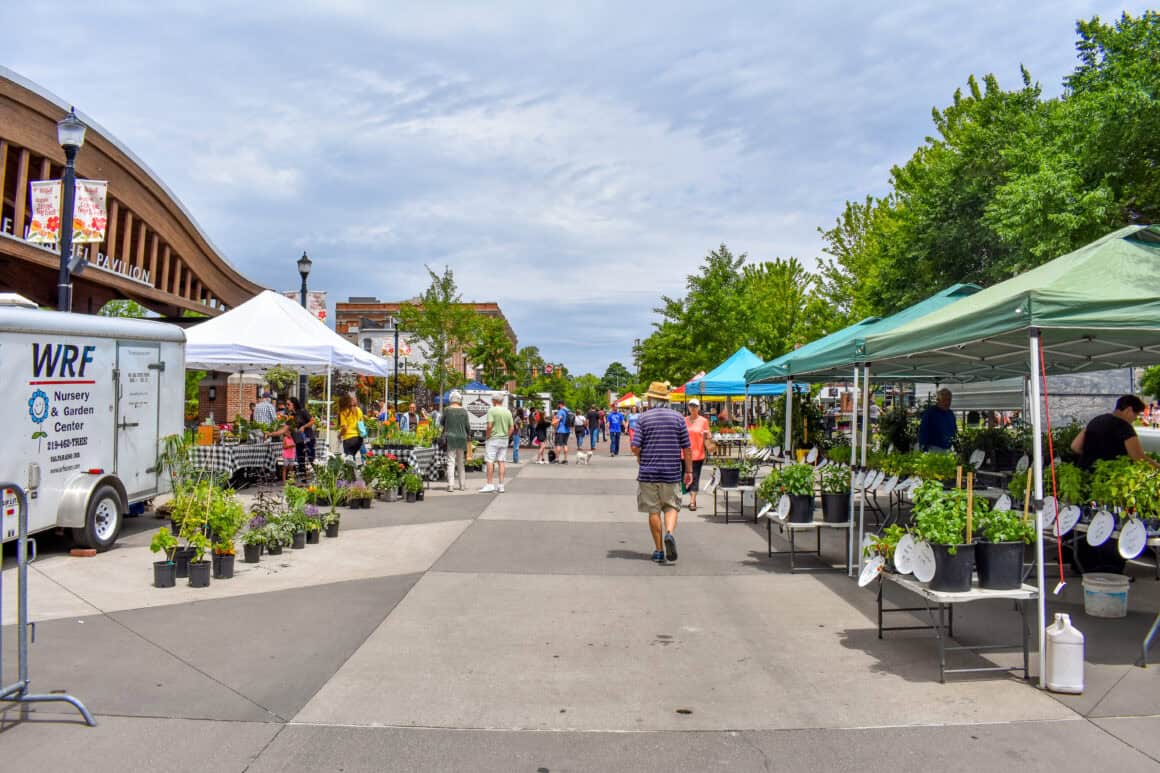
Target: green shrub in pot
(770, 487)
(797, 480)
(834, 480)
(940, 516)
(936, 466)
(1006, 526)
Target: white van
(85, 401)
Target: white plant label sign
(890, 485)
(977, 457)
(1068, 518)
(1101, 528)
(783, 507)
(812, 456)
(1022, 464)
(870, 571)
(923, 562)
(1133, 538)
(1047, 514)
(765, 510)
(904, 554)
(1002, 504)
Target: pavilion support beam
(20, 203)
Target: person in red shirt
(698, 431)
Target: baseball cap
(265, 394)
(695, 402)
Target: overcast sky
(572, 161)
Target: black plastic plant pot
(312, 537)
(274, 550)
(749, 481)
(181, 558)
(251, 554)
(410, 496)
(801, 508)
(223, 567)
(419, 495)
(199, 574)
(332, 529)
(1000, 565)
(835, 508)
(164, 574)
(299, 540)
(730, 477)
(952, 573)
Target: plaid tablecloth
(226, 460)
(430, 463)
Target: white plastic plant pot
(1101, 528)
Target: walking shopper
(580, 425)
(517, 434)
(563, 431)
(264, 412)
(455, 424)
(698, 427)
(633, 418)
(499, 432)
(661, 446)
(543, 438)
(593, 418)
(349, 417)
(615, 427)
(603, 425)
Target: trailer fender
(74, 502)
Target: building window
(367, 344)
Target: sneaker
(562, 461)
(670, 548)
(487, 489)
(500, 488)
(658, 556)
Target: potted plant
(254, 539)
(746, 473)
(412, 485)
(226, 517)
(313, 524)
(797, 480)
(834, 482)
(770, 488)
(940, 518)
(358, 496)
(884, 544)
(936, 466)
(164, 572)
(199, 568)
(999, 555)
(330, 522)
(730, 470)
(278, 533)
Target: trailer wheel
(102, 521)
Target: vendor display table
(740, 491)
(228, 459)
(1073, 536)
(943, 626)
(814, 526)
(429, 462)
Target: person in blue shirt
(937, 429)
(615, 427)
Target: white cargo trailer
(86, 402)
(478, 403)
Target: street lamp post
(70, 133)
(304, 264)
(396, 389)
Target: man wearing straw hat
(661, 446)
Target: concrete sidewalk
(451, 634)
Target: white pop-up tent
(268, 330)
(271, 329)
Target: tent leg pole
(853, 474)
(1037, 476)
(329, 400)
(864, 434)
(789, 419)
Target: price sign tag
(1047, 514)
(1002, 504)
(765, 510)
(776, 451)
(888, 489)
(878, 478)
(1101, 528)
(871, 570)
(1068, 518)
(1133, 537)
(923, 563)
(977, 457)
(714, 479)
(904, 554)
(783, 507)
(859, 479)
(1022, 464)
(812, 456)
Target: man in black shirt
(1111, 435)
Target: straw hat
(658, 390)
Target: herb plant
(798, 480)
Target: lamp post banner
(315, 301)
(45, 198)
(90, 216)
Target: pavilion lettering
(100, 261)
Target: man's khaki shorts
(657, 497)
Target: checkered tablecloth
(226, 460)
(430, 463)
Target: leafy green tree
(1150, 382)
(442, 324)
(616, 378)
(122, 308)
(528, 361)
(586, 391)
(493, 351)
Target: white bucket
(1105, 595)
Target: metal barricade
(18, 692)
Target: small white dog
(583, 457)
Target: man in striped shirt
(661, 446)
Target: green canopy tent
(834, 355)
(1093, 309)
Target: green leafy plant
(746, 469)
(897, 428)
(1007, 526)
(940, 515)
(839, 453)
(761, 436)
(255, 533)
(884, 544)
(164, 542)
(383, 471)
(199, 544)
(412, 483)
(834, 479)
(226, 517)
(1132, 487)
(770, 487)
(901, 465)
(728, 464)
(798, 480)
(936, 466)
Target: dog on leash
(583, 457)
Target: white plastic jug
(1064, 656)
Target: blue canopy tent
(470, 386)
(728, 378)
